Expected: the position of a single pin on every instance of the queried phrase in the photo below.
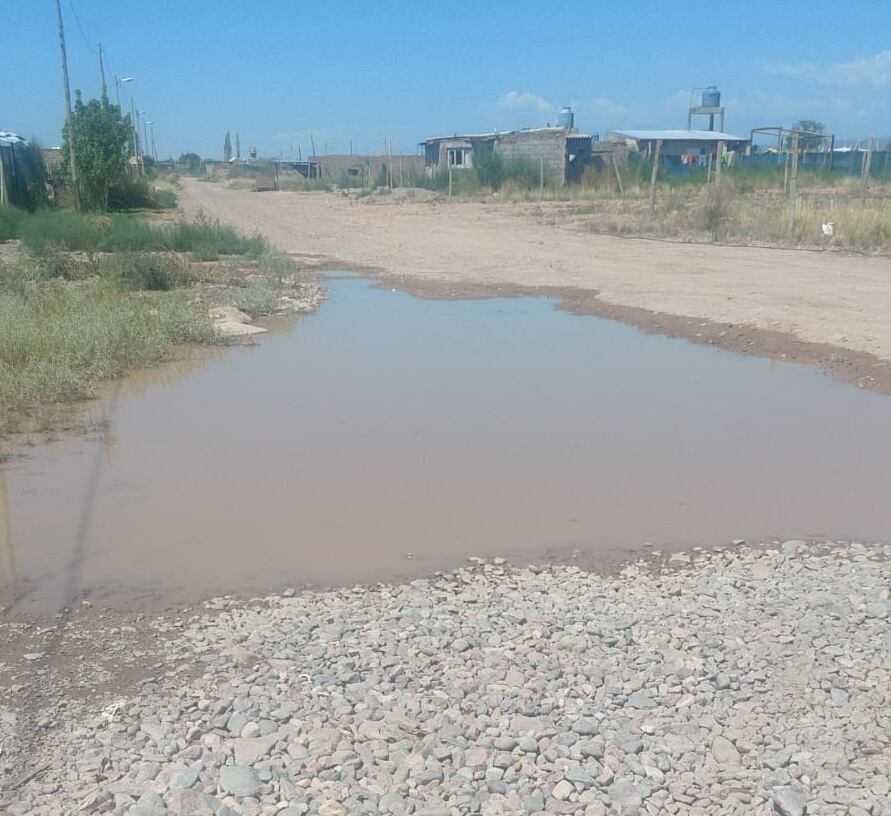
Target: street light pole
(118, 81)
(68, 117)
(151, 124)
(135, 130)
(143, 143)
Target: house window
(456, 157)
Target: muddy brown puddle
(387, 436)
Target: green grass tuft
(58, 339)
(76, 232)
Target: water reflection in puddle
(386, 425)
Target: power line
(80, 27)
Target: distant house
(52, 159)
(679, 147)
(16, 170)
(561, 153)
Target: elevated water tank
(711, 97)
(566, 119)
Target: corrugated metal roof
(463, 136)
(677, 135)
(497, 133)
(8, 139)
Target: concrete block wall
(334, 167)
(533, 146)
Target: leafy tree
(103, 137)
(227, 147)
(808, 142)
(190, 161)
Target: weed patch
(76, 232)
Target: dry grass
(726, 213)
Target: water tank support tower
(566, 119)
(711, 107)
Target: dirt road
(824, 308)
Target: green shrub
(10, 222)
(524, 172)
(137, 194)
(165, 199)
(489, 168)
(140, 271)
(130, 194)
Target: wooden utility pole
(719, 158)
(653, 176)
(793, 182)
(69, 119)
(2, 182)
(102, 74)
(864, 171)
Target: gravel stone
(788, 801)
(731, 682)
(239, 780)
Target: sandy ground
(816, 307)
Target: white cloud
(524, 99)
(604, 106)
(601, 112)
(873, 71)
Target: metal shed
(680, 146)
(10, 146)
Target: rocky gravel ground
(748, 680)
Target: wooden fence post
(864, 172)
(653, 176)
(793, 182)
(720, 158)
(618, 175)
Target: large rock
(625, 795)
(239, 780)
(789, 801)
(248, 750)
(724, 751)
(586, 726)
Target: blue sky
(279, 72)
